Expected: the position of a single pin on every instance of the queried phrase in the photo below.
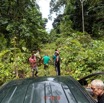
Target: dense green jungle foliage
(22, 30)
(93, 11)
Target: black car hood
(56, 89)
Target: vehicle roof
(53, 89)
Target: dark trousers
(46, 69)
(45, 66)
(58, 69)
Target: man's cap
(57, 52)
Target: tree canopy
(93, 15)
(21, 21)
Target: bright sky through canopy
(44, 8)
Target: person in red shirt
(33, 64)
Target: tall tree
(21, 21)
(93, 14)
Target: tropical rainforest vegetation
(22, 29)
